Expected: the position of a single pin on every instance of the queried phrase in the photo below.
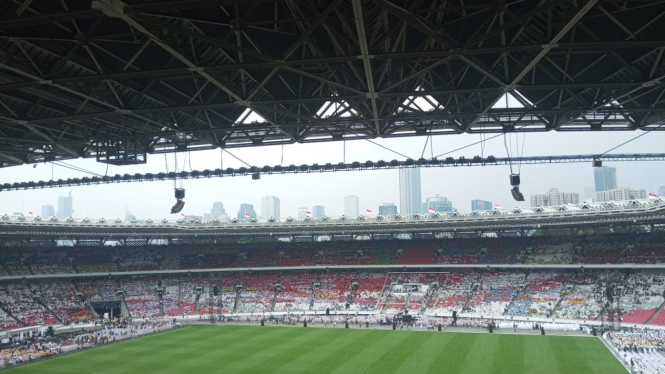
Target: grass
(270, 349)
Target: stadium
(566, 285)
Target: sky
(460, 185)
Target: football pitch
(274, 349)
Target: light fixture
(179, 204)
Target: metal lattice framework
(118, 81)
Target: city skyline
(461, 185)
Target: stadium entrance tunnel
(104, 307)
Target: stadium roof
(118, 81)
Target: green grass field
(270, 349)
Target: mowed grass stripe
(249, 349)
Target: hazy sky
(461, 185)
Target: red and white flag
(369, 211)
(651, 194)
(497, 206)
(308, 212)
(246, 214)
(30, 213)
(182, 214)
(431, 209)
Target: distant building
(270, 207)
(128, 215)
(217, 210)
(387, 209)
(620, 194)
(661, 191)
(409, 190)
(481, 205)
(318, 211)
(246, 212)
(438, 203)
(207, 217)
(554, 197)
(351, 206)
(605, 178)
(65, 206)
(302, 213)
(192, 218)
(48, 211)
(589, 194)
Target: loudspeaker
(394, 326)
(455, 315)
(179, 193)
(609, 294)
(514, 179)
(262, 323)
(215, 291)
(327, 311)
(439, 327)
(347, 324)
(597, 163)
(304, 324)
(256, 176)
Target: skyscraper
(65, 206)
(661, 191)
(409, 190)
(270, 207)
(438, 203)
(48, 211)
(318, 211)
(128, 215)
(589, 194)
(605, 178)
(217, 210)
(246, 212)
(351, 206)
(481, 205)
(387, 209)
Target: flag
(431, 209)
(497, 206)
(308, 212)
(246, 214)
(182, 214)
(30, 213)
(652, 195)
(369, 211)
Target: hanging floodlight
(515, 191)
(179, 204)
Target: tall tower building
(318, 211)
(351, 206)
(65, 206)
(246, 211)
(409, 191)
(387, 209)
(48, 211)
(270, 207)
(217, 210)
(605, 178)
(440, 204)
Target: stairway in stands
(558, 303)
(660, 308)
